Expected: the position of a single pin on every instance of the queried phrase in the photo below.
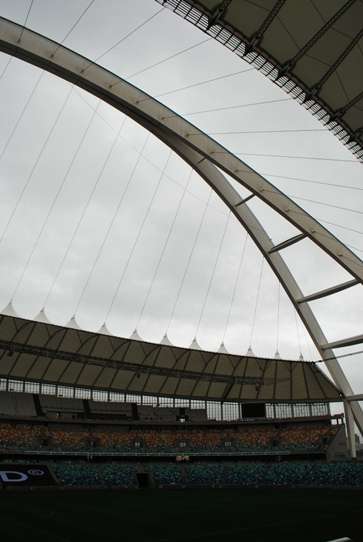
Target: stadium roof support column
(203, 154)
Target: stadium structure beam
(203, 154)
(342, 343)
(357, 397)
(328, 291)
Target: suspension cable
(36, 163)
(340, 226)
(198, 84)
(297, 331)
(5, 68)
(51, 208)
(212, 275)
(124, 38)
(147, 159)
(21, 115)
(137, 238)
(190, 256)
(311, 181)
(171, 57)
(320, 158)
(256, 303)
(232, 107)
(85, 208)
(235, 286)
(112, 221)
(260, 132)
(164, 247)
(75, 24)
(26, 20)
(278, 318)
(325, 204)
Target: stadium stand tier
(41, 424)
(307, 437)
(168, 474)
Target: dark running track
(217, 515)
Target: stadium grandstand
(181, 278)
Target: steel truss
(204, 154)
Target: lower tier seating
(209, 474)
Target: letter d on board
(15, 476)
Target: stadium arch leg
(349, 419)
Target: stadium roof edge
(255, 33)
(44, 352)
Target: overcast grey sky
(88, 225)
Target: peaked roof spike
(301, 357)
(73, 323)
(277, 355)
(166, 341)
(250, 352)
(195, 345)
(104, 330)
(42, 317)
(222, 349)
(9, 309)
(135, 336)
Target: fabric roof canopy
(314, 50)
(43, 352)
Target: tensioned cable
(171, 57)
(40, 76)
(26, 20)
(75, 24)
(137, 238)
(278, 317)
(297, 331)
(112, 221)
(85, 208)
(146, 158)
(77, 21)
(190, 256)
(311, 181)
(256, 302)
(165, 246)
(50, 210)
(124, 38)
(5, 68)
(36, 163)
(212, 275)
(260, 132)
(20, 116)
(325, 204)
(325, 159)
(340, 226)
(235, 286)
(238, 106)
(198, 84)
(267, 174)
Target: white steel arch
(203, 154)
